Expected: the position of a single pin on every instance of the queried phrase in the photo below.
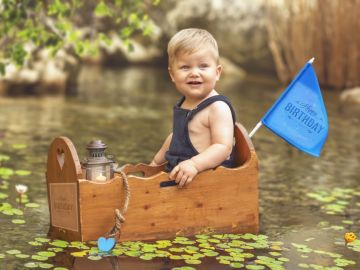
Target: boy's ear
(170, 73)
(218, 72)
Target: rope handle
(119, 214)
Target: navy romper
(181, 147)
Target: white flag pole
(258, 125)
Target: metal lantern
(97, 166)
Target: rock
(230, 69)
(351, 96)
(142, 50)
(44, 75)
(238, 26)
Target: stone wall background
(272, 38)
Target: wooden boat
(218, 200)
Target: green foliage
(77, 25)
(102, 10)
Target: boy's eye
(204, 65)
(184, 67)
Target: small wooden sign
(64, 205)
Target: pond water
(306, 204)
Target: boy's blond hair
(191, 40)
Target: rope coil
(119, 214)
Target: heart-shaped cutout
(106, 244)
(61, 157)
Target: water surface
(130, 109)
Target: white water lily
(21, 189)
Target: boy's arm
(222, 135)
(222, 138)
(159, 158)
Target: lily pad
(17, 212)
(175, 257)
(148, 256)
(282, 259)
(211, 253)
(42, 240)
(176, 250)
(35, 243)
(184, 268)
(202, 236)
(13, 252)
(32, 205)
(39, 258)
(163, 243)
(31, 265)
(224, 261)
(275, 254)
(254, 267)
(8, 212)
(59, 243)
(22, 172)
(212, 240)
(236, 265)
(79, 254)
(350, 222)
(18, 221)
(6, 172)
(276, 248)
(56, 249)
(4, 158)
(343, 262)
(19, 146)
(46, 265)
(133, 253)
(22, 256)
(46, 253)
(193, 261)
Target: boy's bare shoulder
(220, 108)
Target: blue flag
(299, 115)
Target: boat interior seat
(243, 145)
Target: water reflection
(130, 110)
(116, 263)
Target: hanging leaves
(63, 24)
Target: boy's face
(195, 74)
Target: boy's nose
(194, 72)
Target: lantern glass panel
(100, 172)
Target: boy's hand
(184, 173)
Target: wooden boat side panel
(63, 171)
(221, 200)
(227, 203)
(142, 168)
(244, 148)
(62, 151)
(98, 202)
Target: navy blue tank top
(181, 148)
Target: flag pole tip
(311, 60)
